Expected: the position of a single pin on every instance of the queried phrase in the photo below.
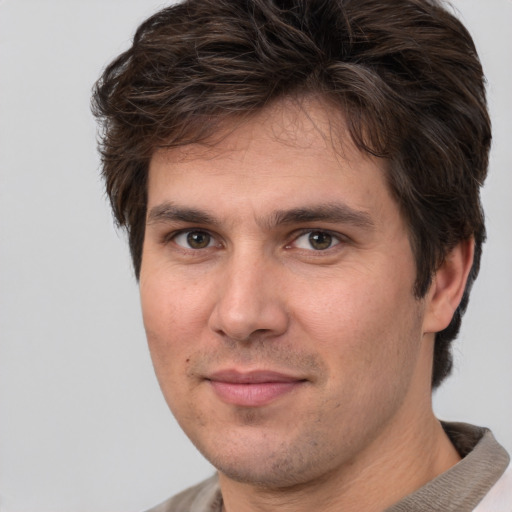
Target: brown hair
(404, 72)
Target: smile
(252, 389)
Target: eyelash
(335, 239)
(174, 235)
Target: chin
(278, 465)
(275, 475)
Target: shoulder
(203, 497)
(479, 482)
(499, 497)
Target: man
(300, 185)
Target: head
(404, 74)
(300, 185)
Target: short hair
(405, 73)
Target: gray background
(82, 424)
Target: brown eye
(320, 240)
(194, 239)
(198, 239)
(316, 241)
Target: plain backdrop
(83, 427)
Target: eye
(316, 240)
(194, 239)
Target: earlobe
(447, 287)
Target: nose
(250, 303)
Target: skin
(333, 310)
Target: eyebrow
(167, 212)
(329, 212)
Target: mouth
(252, 389)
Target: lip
(254, 388)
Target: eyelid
(340, 238)
(171, 237)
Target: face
(276, 288)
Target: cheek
(339, 309)
(172, 300)
(362, 326)
(170, 325)
(174, 314)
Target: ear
(447, 287)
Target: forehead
(284, 154)
(296, 124)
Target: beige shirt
(480, 480)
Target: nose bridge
(249, 302)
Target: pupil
(320, 240)
(198, 240)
